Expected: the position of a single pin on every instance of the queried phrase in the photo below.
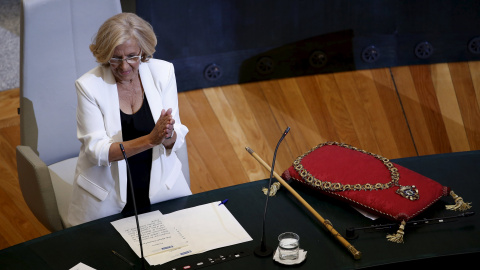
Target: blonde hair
(117, 30)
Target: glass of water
(288, 246)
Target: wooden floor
(397, 112)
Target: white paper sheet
(365, 213)
(158, 233)
(82, 266)
(185, 232)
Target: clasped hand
(163, 128)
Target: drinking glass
(288, 246)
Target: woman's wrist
(170, 141)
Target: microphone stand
(263, 250)
(134, 207)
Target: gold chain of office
(409, 192)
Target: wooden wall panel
(365, 135)
(237, 131)
(9, 103)
(336, 108)
(200, 146)
(393, 110)
(474, 68)
(268, 125)
(441, 105)
(412, 106)
(295, 113)
(376, 108)
(215, 158)
(318, 108)
(449, 107)
(468, 101)
(423, 82)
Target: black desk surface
(431, 245)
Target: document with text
(182, 233)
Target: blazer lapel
(113, 126)
(152, 92)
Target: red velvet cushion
(333, 163)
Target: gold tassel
(459, 205)
(273, 189)
(398, 237)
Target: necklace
(408, 192)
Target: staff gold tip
(357, 255)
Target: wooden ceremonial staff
(356, 254)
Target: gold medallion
(409, 192)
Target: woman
(131, 100)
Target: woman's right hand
(163, 128)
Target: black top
(134, 126)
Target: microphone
(134, 205)
(263, 250)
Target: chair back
(55, 39)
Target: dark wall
(219, 42)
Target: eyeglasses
(130, 60)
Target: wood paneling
(9, 103)
(468, 101)
(448, 105)
(441, 104)
(397, 112)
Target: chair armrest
(37, 188)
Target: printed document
(182, 233)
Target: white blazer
(100, 187)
